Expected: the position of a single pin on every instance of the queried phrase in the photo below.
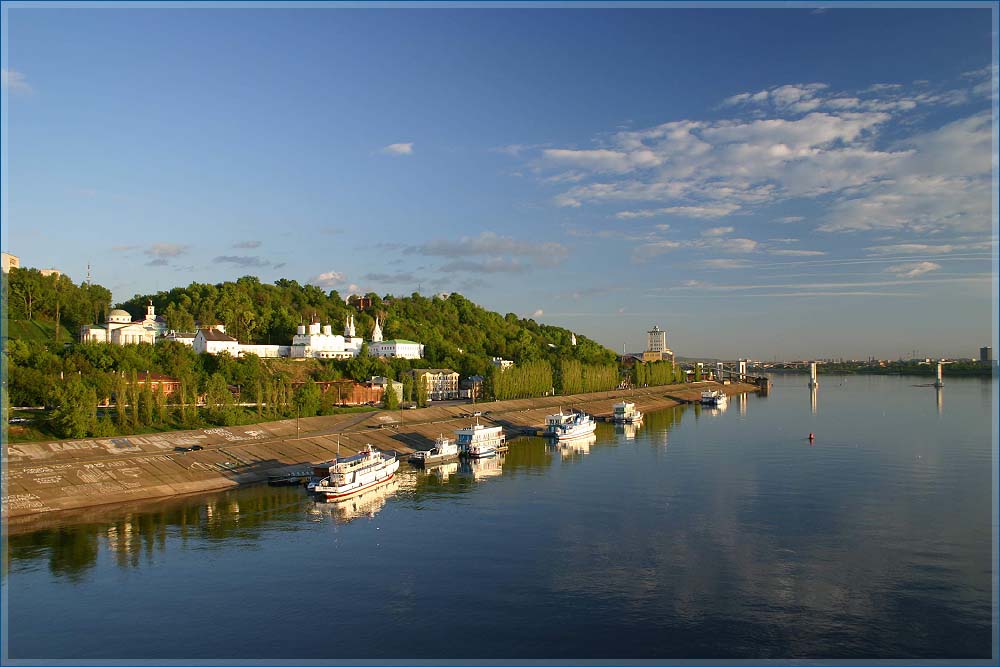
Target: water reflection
(628, 430)
(137, 537)
(365, 504)
(480, 469)
(813, 393)
(743, 400)
(939, 399)
(443, 471)
(569, 449)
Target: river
(703, 534)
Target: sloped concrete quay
(44, 477)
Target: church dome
(119, 315)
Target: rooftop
(213, 334)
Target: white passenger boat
(444, 449)
(569, 426)
(625, 413)
(347, 476)
(713, 397)
(478, 441)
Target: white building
(657, 340)
(121, 329)
(320, 342)
(214, 341)
(9, 261)
(500, 363)
(180, 337)
(400, 349)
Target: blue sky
(765, 182)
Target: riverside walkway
(45, 477)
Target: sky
(773, 183)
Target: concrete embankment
(45, 477)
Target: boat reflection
(579, 446)
(365, 504)
(716, 409)
(628, 430)
(482, 468)
(442, 471)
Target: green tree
(308, 399)
(421, 391)
(76, 414)
(220, 407)
(390, 399)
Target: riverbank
(45, 477)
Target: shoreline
(44, 479)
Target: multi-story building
(214, 341)
(656, 348)
(441, 383)
(471, 387)
(398, 348)
(9, 261)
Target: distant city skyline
(793, 182)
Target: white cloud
(727, 264)
(164, 250)
(490, 244)
(797, 253)
(489, 265)
(331, 279)
(802, 141)
(14, 81)
(911, 249)
(398, 149)
(912, 269)
(717, 231)
(538, 313)
(703, 212)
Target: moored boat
(713, 397)
(626, 413)
(478, 441)
(568, 426)
(349, 475)
(444, 449)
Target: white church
(319, 342)
(313, 341)
(121, 329)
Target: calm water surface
(703, 534)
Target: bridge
(733, 371)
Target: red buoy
(812, 437)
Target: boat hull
(337, 492)
(426, 461)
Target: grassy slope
(31, 330)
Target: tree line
(73, 379)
